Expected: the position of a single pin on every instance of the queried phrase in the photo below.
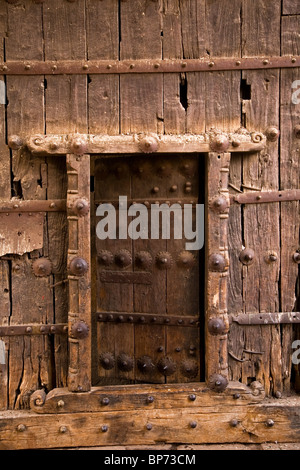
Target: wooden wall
(162, 103)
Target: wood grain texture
(289, 179)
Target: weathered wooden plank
(25, 113)
(260, 35)
(141, 97)
(254, 424)
(290, 7)
(144, 396)
(289, 179)
(103, 91)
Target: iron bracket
(265, 318)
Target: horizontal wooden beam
(275, 420)
(89, 67)
(78, 144)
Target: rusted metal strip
(29, 330)
(265, 318)
(55, 205)
(147, 318)
(266, 196)
(137, 277)
(69, 67)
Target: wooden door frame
(77, 149)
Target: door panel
(147, 290)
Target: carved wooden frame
(77, 149)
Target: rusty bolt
(192, 397)
(247, 256)
(125, 363)
(28, 329)
(166, 366)
(189, 368)
(149, 426)
(63, 429)
(105, 401)
(297, 131)
(150, 399)
(185, 259)
(272, 257)
(104, 428)
(296, 257)
(145, 364)
(15, 142)
(272, 133)
(78, 267)
(193, 424)
(265, 61)
(155, 189)
(60, 404)
(143, 259)
(220, 143)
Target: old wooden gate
(126, 108)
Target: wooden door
(147, 292)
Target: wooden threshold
(272, 420)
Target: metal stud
(148, 144)
(193, 424)
(272, 133)
(192, 397)
(148, 426)
(143, 259)
(164, 260)
(296, 257)
(104, 428)
(219, 204)
(105, 401)
(145, 365)
(105, 257)
(270, 423)
(217, 383)
(63, 429)
(78, 146)
(81, 207)
(189, 368)
(186, 259)
(21, 428)
(220, 143)
(217, 262)
(60, 404)
(216, 326)
(79, 330)
(166, 366)
(78, 266)
(107, 360)
(150, 399)
(41, 267)
(15, 142)
(125, 363)
(233, 423)
(247, 256)
(123, 258)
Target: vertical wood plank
(290, 7)
(65, 111)
(289, 179)
(261, 35)
(25, 115)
